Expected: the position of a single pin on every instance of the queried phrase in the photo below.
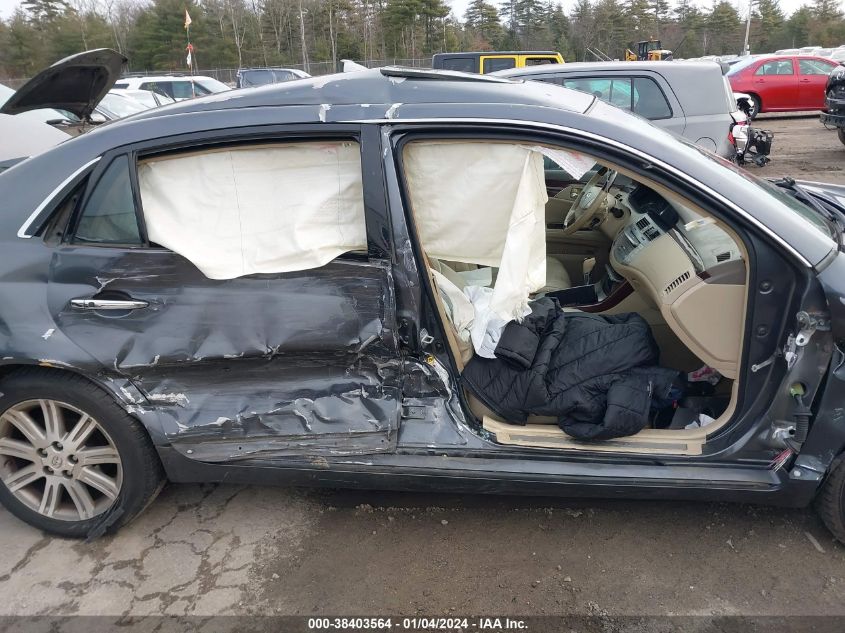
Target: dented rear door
(260, 366)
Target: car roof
(392, 97)
(679, 67)
(477, 53)
(391, 86)
(163, 77)
(240, 70)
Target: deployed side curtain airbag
(483, 203)
(256, 209)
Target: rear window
(462, 64)
(492, 64)
(739, 66)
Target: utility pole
(305, 65)
(746, 50)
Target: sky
(459, 6)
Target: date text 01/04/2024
(492, 624)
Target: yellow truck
(491, 61)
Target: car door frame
(815, 83)
(780, 89)
(175, 421)
(762, 399)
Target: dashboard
(699, 288)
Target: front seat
(556, 276)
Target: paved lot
(207, 549)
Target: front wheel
(830, 502)
(71, 460)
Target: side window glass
(649, 100)
(243, 210)
(493, 64)
(597, 87)
(785, 67)
(109, 214)
(813, 67)
(620, 93)
(782, 67)
(614, 91)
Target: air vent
(723, 257)
(677, 282)
(651, 233)
(642, 224)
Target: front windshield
(813, 218)
(117, 107)
(211, 84)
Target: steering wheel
(590, 201)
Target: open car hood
(75, 84)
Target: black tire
(755, 107)
(830, 502)
(142, 476)
(841, 132)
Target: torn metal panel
(271, 407)
(272, 364)
(344, 306)
(432, 415)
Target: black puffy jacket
(596, 374)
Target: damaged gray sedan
(303, 283)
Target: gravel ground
(803, 149)
(204, 550)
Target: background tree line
(234, 33)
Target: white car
(149, 98)
(178, 87)
(838, 55)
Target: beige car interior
(688, 281)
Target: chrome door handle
(108, 304)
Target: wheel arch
(120, 389)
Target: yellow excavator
(648, 51)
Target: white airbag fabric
(256, 209)
(483, 203)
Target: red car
(782, 83)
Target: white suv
(179, 87)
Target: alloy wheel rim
(58, 460)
